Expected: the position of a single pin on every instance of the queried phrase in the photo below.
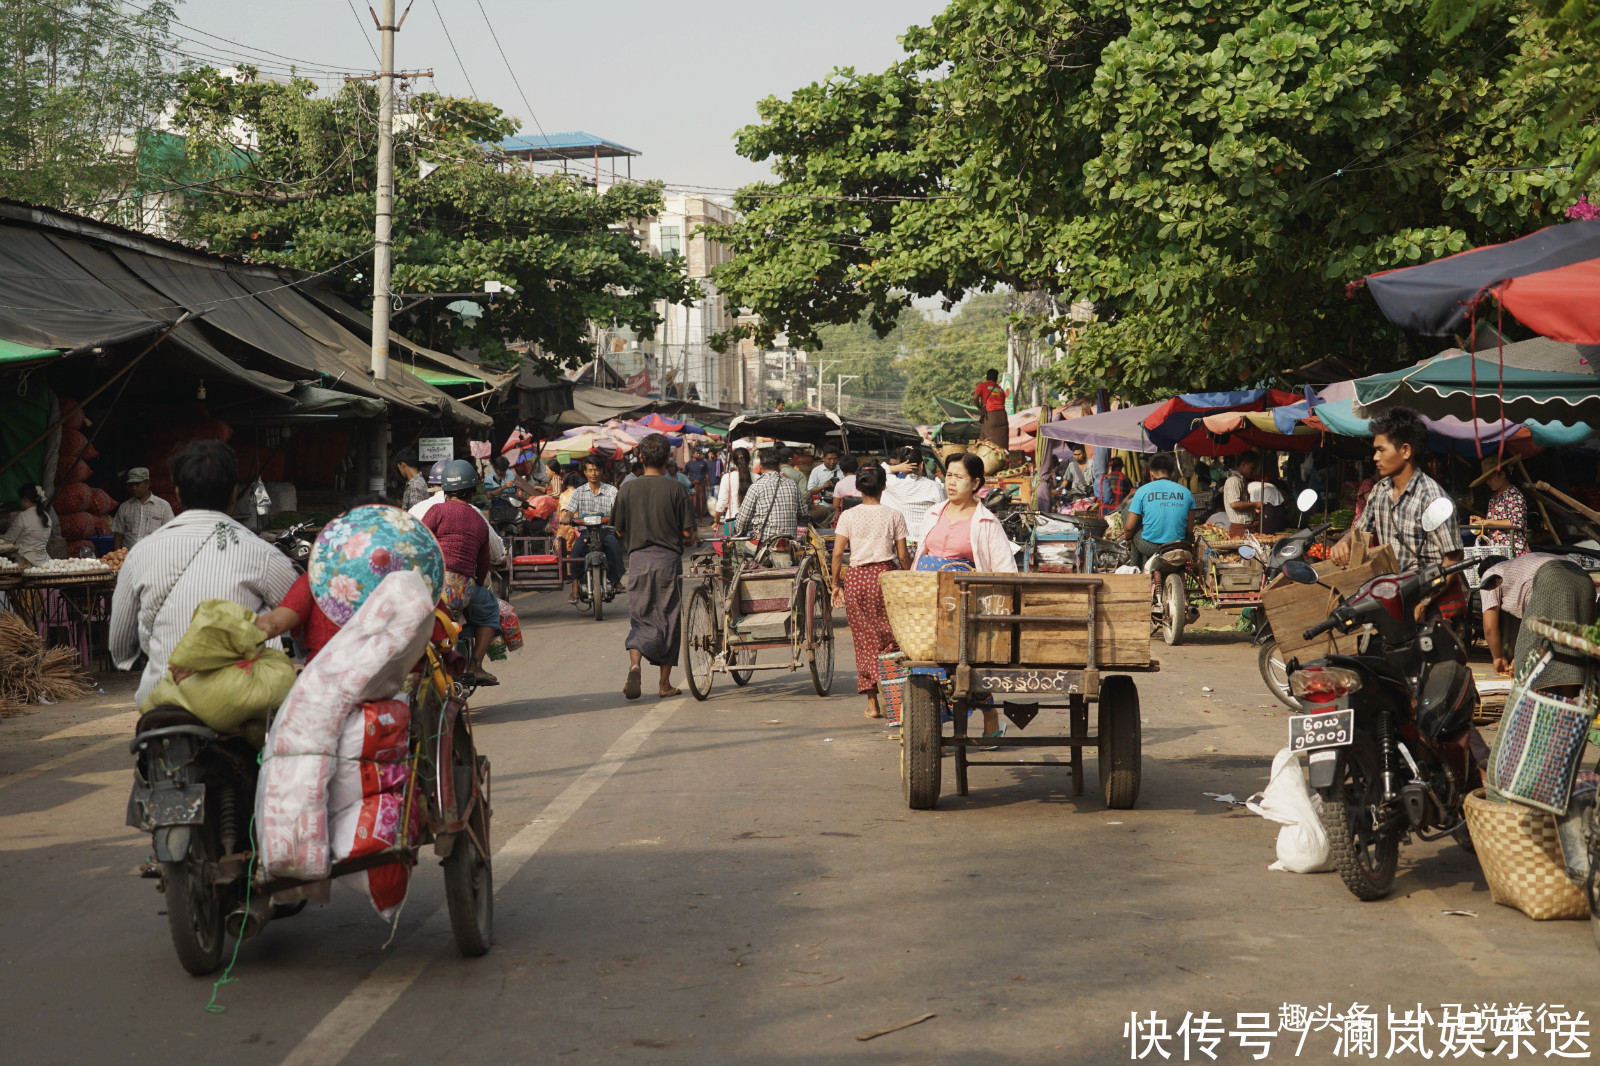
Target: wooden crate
(1122, 630)
(1292, 609)
(1122, 624)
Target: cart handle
(1056, 580)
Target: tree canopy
(81, 82)
(1210, 174)
(300, 190)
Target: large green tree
(1210, 174)
(299, 189)
(82, 82)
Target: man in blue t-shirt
(1159, 512)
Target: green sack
(236, 681)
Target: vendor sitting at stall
(1160, 512)
(1507, 519)
(1538, 586)
(141, 514)
(29, 531)
(1244, 513)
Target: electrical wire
(512, 71)
(234, 45)
(363, 27)
(447, 36)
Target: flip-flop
(486, 679)
(670, 693)
(630, 688)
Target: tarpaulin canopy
(1470, 386)
(819, 428)
(1122, 429)
(1179, 423)
(1549, 280)
(1451, 434)
(663, 424)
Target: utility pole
(382, 247)
(838, 391)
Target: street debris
(1461, 914)
(895, 1028)
(1225, 797)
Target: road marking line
(111, 725)
(343, 1027)
(73, 756)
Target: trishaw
(532, 564)
(194, 790)
(769, 596)
(970, 638)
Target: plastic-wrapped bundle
(366, 660)
(369, 796)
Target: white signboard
(432, 449)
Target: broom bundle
(16, 636)
(29, 671)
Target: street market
(1144, 494)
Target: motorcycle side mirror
(1247, 551)
(1300, 572)
(1306, 500)
(1437, 514)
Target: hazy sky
(673, 81)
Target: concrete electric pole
(382, 247)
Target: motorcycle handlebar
(1320, 628)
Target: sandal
(630, 688)
(486, 679)
(670, 693)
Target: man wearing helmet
(463, 536)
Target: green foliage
(1210, 174)
(77, 76)
(1565, 67)
(303, 193)
(919, 359)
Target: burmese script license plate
(1332, 729)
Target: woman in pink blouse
(876, 537)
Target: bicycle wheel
(819, 635)
(700, 642)
(742, 657)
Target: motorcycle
(1389, 738)
(594, 588)
(1170, 570)
(1274, 669)
(296, 542)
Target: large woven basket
(1566, 634)
(1521, 858)
(993, 456)
(911, 600)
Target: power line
(444, 26)
(309, 64)
(363, 27)
(512, 71)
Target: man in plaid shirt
(595, 497)
(772, 505)
(1394, 510)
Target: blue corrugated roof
(575, 144)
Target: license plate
(1332, 729)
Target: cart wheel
(597, 592)
(468, 875)
(745, 656)
(819, 635)
(1120, 742)
(1177, 609)
(700, 640)
(919, 742)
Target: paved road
(738, 881)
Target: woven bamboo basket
(1522, 861)
(911, 600)
(61, 580)
(993, 456)
(1567, 634)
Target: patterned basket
(1522, 861)
(892, 685)
(1567, 634)
(911, 600)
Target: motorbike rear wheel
(1366, 859)
(1175, 608)
(195, 913)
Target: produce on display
(115, 559)
(68, 568)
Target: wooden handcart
(532, 564)
(1032, 643)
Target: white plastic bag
(1287, 799)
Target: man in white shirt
(909, 492)
(824, 473)
(141, 514)
(203, 554)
